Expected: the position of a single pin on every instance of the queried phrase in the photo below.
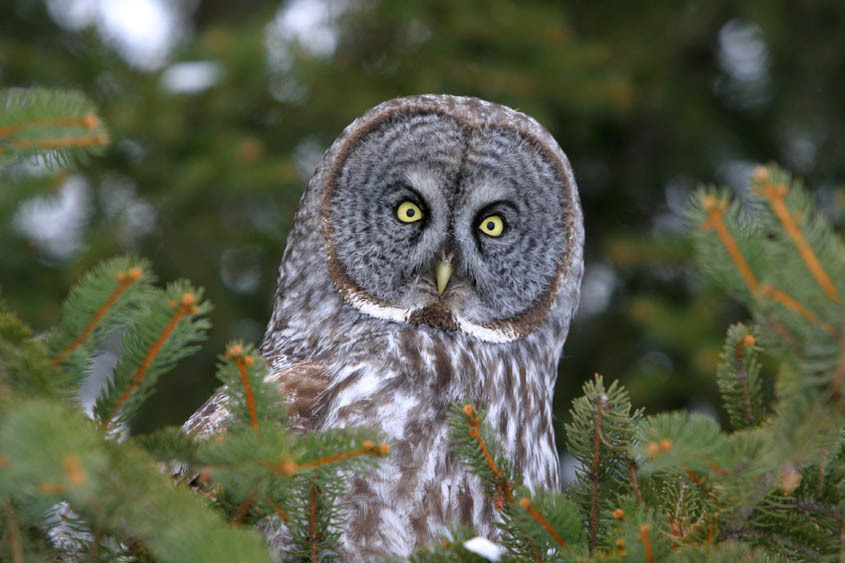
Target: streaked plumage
(360, 336)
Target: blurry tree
(217, 127)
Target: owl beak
(443, 271)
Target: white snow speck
(484, 547)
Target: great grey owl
(436, 256)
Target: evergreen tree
(80, 489)
(664, 486)
(204, 182)
(675, 485)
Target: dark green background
(646, 98)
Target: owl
(436, 257)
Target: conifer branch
(742, 377)
(53, 124)
(796, 307)
(595, 473)
(787, 336)
(711, 532)
(811, 505)
(715, 209)
(95, 546)
(279, 512)
(775, 194)
(236, 355)
(738, 378)
(14, 534)
(839, 374)
(244, 506)
(699, 481)
(676, 518)
(367, 448)
(68, 142)
(809, 553)
(525, 503)
(646, 539)
(475, 433)
(88, 121)
(635, 485)
(290, 467)
(822, 470)
(313, 528)
(124, 280)
(186, 307)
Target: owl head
(450, 212)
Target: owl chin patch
(435, 315)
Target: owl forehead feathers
(457, 159)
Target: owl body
(436, 257)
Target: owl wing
(300, 384)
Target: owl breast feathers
(436, 256)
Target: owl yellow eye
(408, 212)
(492, 226)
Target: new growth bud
(234, 351)
(619, 514)
(760, 175)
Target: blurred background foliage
(218, 112)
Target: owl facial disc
(451, 213)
